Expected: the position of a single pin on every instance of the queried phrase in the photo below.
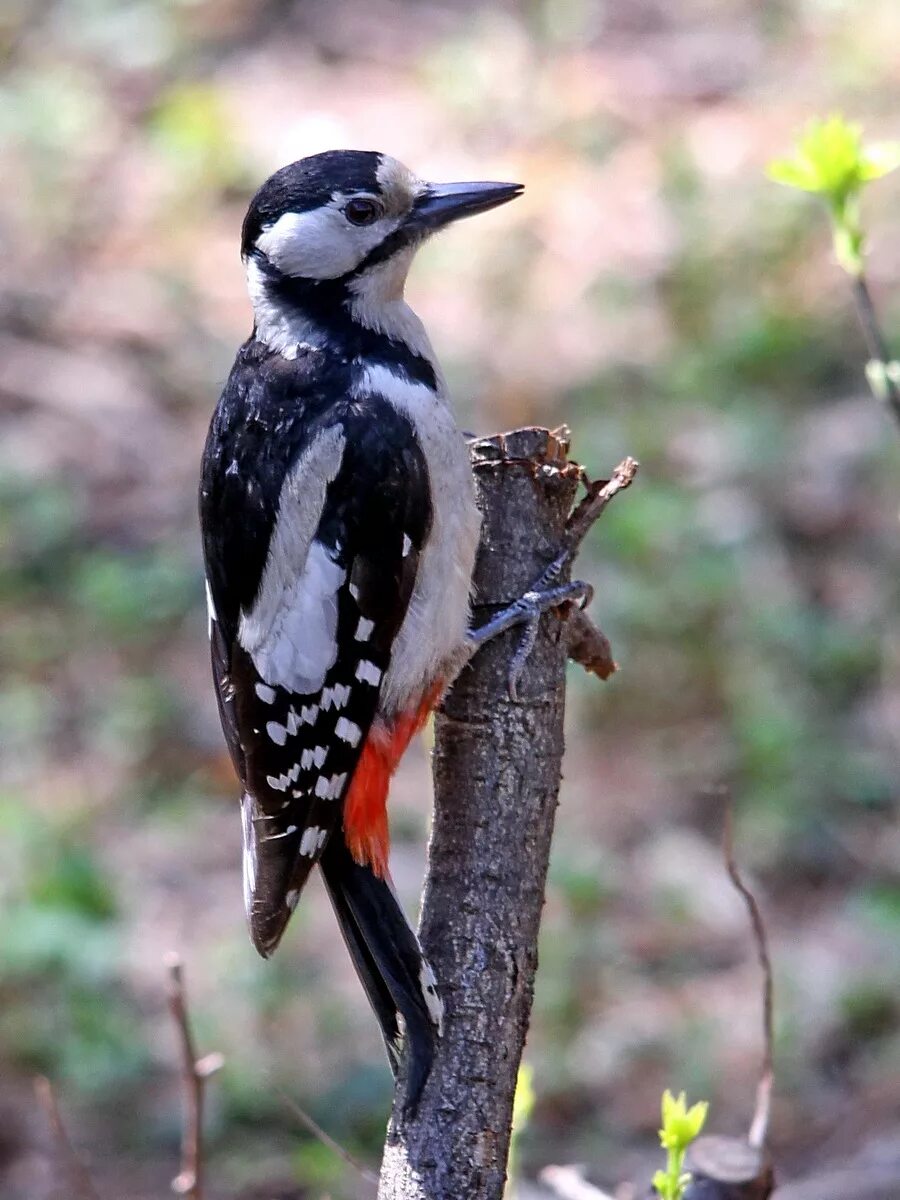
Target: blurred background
(653, 290)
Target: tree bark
(496, 775)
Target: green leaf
(523, 1101)
(681, 1124)
(831, 160)
(793, 174)
(662, 1185)
(849, 246)
(879, 160)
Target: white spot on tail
(407, 545)
(433, 1002)
(210, 609)
(249, 852)
(265, 693)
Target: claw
(519, 659)
(527, 611)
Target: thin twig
(595, 502)
(877, 346)
(326, 1139)
(759, 1126)
(194, 1073)
(79, 1179)
(569, 1184)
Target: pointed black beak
(442, 203)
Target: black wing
(313, 517)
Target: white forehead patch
(321, 243)
(399, 186)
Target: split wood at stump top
(496, 773)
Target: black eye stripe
(361, 211)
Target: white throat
(284, 330)
(376, 302)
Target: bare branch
(759, 1127)
(79, 1179)
(569, 1184)
(879, 354)
(326, 1139)
(598, 497)
(497, 764)
(194, 1073)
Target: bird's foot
(545, 594)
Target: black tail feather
(388, 960)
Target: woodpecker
(339, 532)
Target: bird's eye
(361, 211)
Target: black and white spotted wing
(313, 516)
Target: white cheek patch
(321, 243)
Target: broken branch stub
(497, 769)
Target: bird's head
(348, 214)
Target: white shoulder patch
(290, 633)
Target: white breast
(430, 641)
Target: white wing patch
(348, 731)
(313, 840)
(337, 696)
(367, 672)
(290, 633)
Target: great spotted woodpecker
(339, 534)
